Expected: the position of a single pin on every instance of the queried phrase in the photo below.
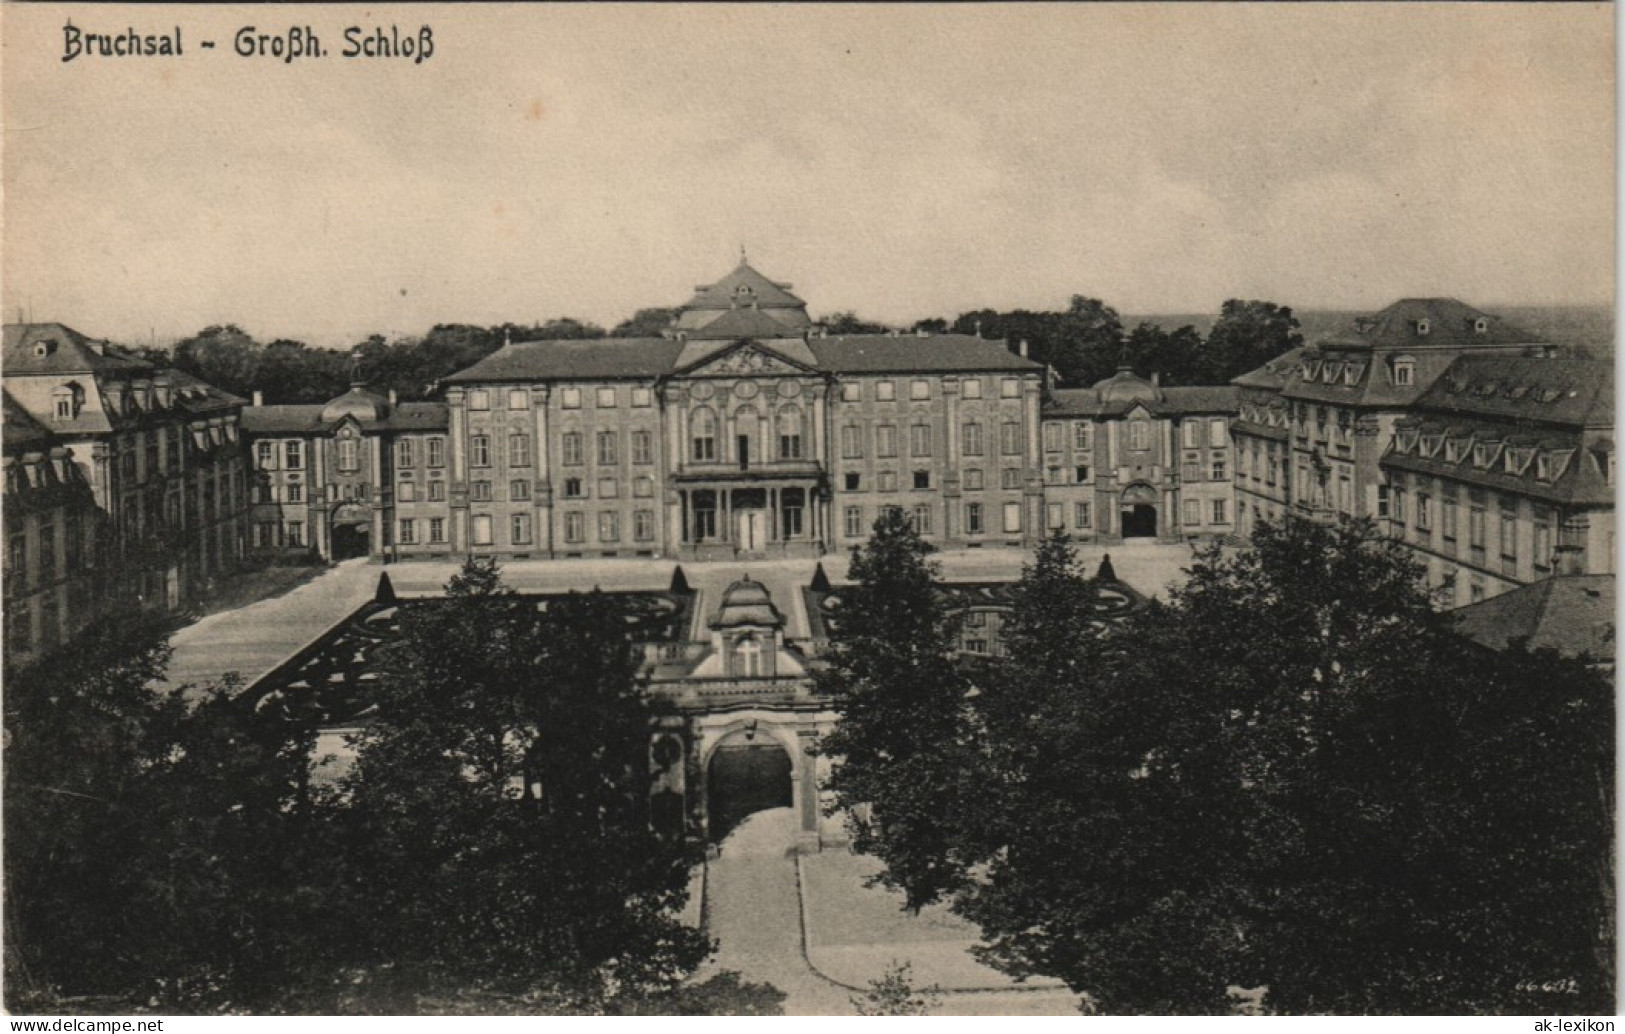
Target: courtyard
(810, 925)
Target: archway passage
(1139, 521)
(742, 779)
(349, 540)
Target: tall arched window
(703, 435)
(790, 433)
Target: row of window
(919, 389)
(853, 440)
(974, 513)
(572, 448)
(1395, 503)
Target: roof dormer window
(1329, 373)
(65, 402)
(1454, 449)
(1352, 372)
(1543, 466)
(1404, 371)
(1424, 327)
(1481, 325)
(43, 348)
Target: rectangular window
(1543, 541)
(885, 391)
(853, 480)
(1080, 474)
(1010, 438)
(1475, 527)
(570, 448)
(519, 491)
(479, 491)
(1080, 435)
(1139, 435)
(971, 387)
(1218, 468)
(405, 492)
(1424, 512)
(1384, 499)
(643, 487)
(347, 454)
(575, 527)
(853, 521)
(479, 398)
(518, 450)
(919, 390)
(479, 450)
(973, 480)
(480, 529)
(851, 442)
(1010, 477)
(642, 447)
(886, 481)
(409, 531)
(1052, 437)
(973, 518)
(607, 448)
(1055, 515)
(919, 440)
(296, 493)
(1081, 516)
(852, 392)
(264, 455)
(1010, 388)
(642, 398)
(1193, 511)
(296, 533)
(1052, 475)
(606, 398)
(572, 488)
(519, 529)
(1190, 434)
(1012, 518)
(570, 398)
(1509, 537)
(437, 491)
(405, 454)
(518, 398)
(437, 529)
(609, 526)
(1221, 511)
(1216, 433)
(1192, 468)
(643, 525)
(437, 452)
(922, 479)
(885, 440)
(294, 455)
(972, 438)
(607, 488)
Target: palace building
(1468, 439)
(125, 484)
(743, 430)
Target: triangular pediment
(745, 359)
(1139, 412)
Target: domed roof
(747, 602)
(357, 402)
(1127, 386)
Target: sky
(901, 161)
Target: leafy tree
(565, 328)
(849, 323)
(1247, 335)
(900, 739)
(1179, 357)
(225, 356)
(893, 994)
(645, 323)
(498, 811)
(1088, 344)
(933, 325)
(1292, 775)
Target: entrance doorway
(1140, 521)
(750, 530)
(742, 779)
(349, 540)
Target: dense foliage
(892, 676)
(488, 850)
(1292, 776)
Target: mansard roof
(649, 358)
(370, 410)
(36, 348)
(1430, 323)
(22, 432)
(745, 323)
(744, 281)
(1572, 392)
(1183, 401)
(1572, 614)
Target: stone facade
(161, 455)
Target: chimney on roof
(1156, 379)
(393, 400)
(1023, 342)
(921, 332)
(978, 328)
(259, 398)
